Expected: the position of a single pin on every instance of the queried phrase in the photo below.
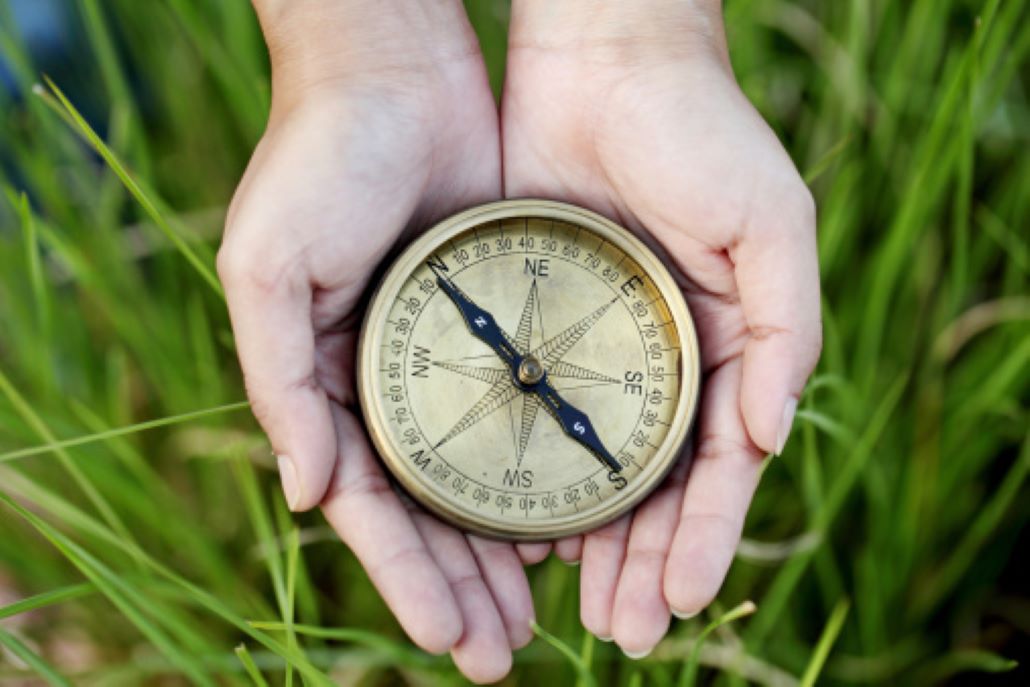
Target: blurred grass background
(143, 538)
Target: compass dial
(528, 370)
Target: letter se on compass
(528, 370)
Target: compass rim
(669, 453)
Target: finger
(723, 478)
(603, 552)
(269, 300)
(506, 580)
(777, 275)
(569, 549)
(483, 653)
(532, 553)
(372, 521)
(640, 617)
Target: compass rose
(503, 392)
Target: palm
(331, 189)
(694, 176)
(357, 189)
(662, 169)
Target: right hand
(369, 138)
(631, 109)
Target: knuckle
(815, 345)
(305, 383)
(809, 345)
(717, 447)
(260, 266)
(724, 525)
(688, 600)
(788, 207)
(372, 485)
(610, 536)
(804, 206)
(646, 554)
(259, 405)
(467, 580)
(491, 552)
(227, 262)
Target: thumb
(777, 274)
(270, 307)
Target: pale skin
(383, 122)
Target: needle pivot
(530, 370)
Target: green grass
(142, 525)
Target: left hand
(631, 109)
(382, 121)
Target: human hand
(382, 121)
(631, 109)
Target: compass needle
(455, 333)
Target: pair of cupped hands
(383, 122)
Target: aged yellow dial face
(528, 370)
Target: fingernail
(572, 563)
(684, 615)
(288, 477)
(605, 638)
(786, 422)
(636, 655)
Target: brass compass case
(528, 370)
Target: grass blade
(826, 640)
(50, 598)
(583, 674)
(32, 419)
(689, 675)
(197, 596)
(57, 445)
(86, 131)
(976, 536)
(400, 653)
(292, 555)
(970, 660)
(33, 660)
(789, 576)
(586, 653)
(249, 666)
(118, 591)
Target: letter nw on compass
(503, 390)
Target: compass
(528, 370)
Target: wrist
(641, 30)
(320, 47)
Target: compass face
(528, 370)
